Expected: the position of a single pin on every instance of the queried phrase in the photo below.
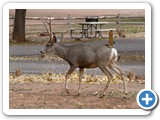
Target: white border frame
(8, 6)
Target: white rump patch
(114, 54)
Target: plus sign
(147, 99)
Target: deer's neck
(60, 50)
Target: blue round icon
(147, 99)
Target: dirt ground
(37, 95)
(40, 95)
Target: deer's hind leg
(72, 68)
(109, 75)
(117, 70)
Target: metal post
(111, 38)
(118, 25)
(69, 21)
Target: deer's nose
(42, 54)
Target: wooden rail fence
(70, 21)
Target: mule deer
(86, 56)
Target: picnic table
(90, 29)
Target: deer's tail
(114, 54)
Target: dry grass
(52, 77)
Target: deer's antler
(49, 32)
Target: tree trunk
(19, 25)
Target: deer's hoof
(78, 94)
(67, 91)
(125, 96)
(101, 95)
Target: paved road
(61, 67)
(121, 45)
(36, 67)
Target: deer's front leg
(66, 84)
(72, 68)
(81, 71)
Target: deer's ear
(54, 39)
